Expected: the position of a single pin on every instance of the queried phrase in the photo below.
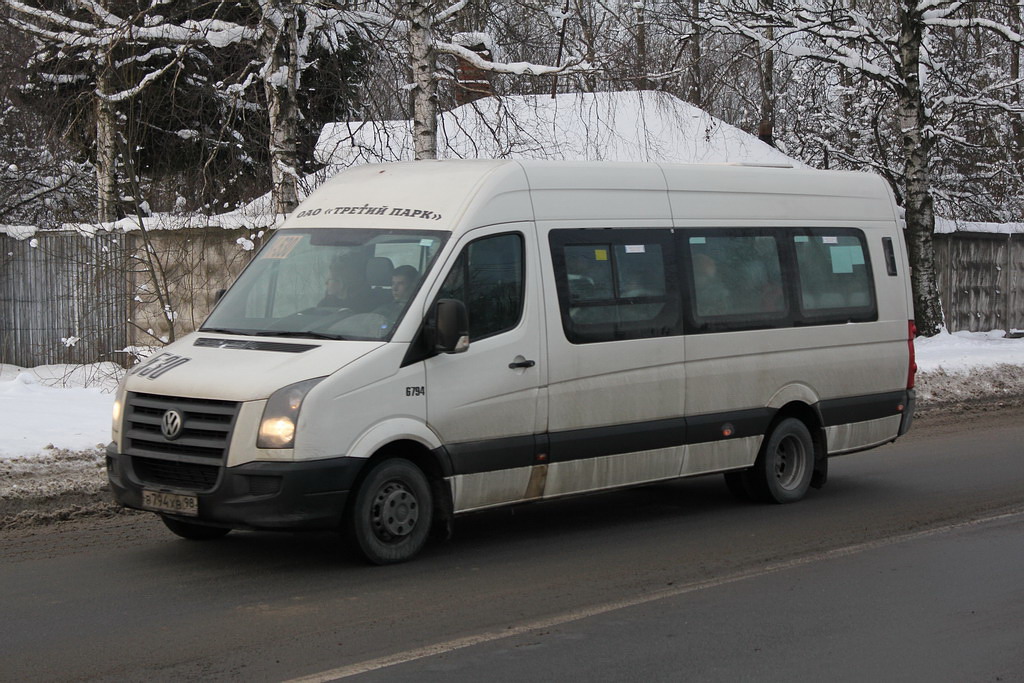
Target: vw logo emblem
(171, 424)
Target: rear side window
(736, 280)
(835, 282)
(615, 284)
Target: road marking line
(596, 610)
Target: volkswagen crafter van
(420, 340)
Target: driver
(347, 286)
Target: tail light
(912, 369)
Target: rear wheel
(391, 515)
(192, 531)
(783, 469)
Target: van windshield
(330, 283)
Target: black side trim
(579, 444)
(862, 408)
(743, 423)
(472, 457)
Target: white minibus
(420, 340)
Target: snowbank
(50, 408)
(962, 352)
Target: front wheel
(391, 515)
(192, 531)
(783, 469)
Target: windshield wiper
(308, 334)
(222, 330)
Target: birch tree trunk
(279, 50)
(424, 66)
(766, 127)
(643, 83)
(696, 89)
(917, 146)
(106, 147)
(1017, 127)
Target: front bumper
(257, 495)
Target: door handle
(515, 365)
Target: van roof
(447, 193)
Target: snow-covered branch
(575, 65)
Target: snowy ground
(55, 420)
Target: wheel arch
(412, 441)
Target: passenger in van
(347, 287)
(403, 281)
(638, 284)
(711, 294)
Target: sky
(68, 407)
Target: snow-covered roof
(609, 126)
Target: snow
(947, 226)
(54, 407)
(18, 232)
(57, 407)
(610, 126)
(256, 215)
(962, 352)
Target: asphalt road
(908, 565)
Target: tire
(783, 469)
(192, 531)
(391, 515)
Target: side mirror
(452, 331)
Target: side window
(615, 284)
(835, 276)
(736, 281)
(488, 277)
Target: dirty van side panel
(845, 347)
(614, 352)
(825, 342)
(486, 404)
(615, 382)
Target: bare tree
(887, 44)
(124, 55)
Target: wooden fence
(71, 298)
(981, 280)
(63, 299)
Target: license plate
(170, 502)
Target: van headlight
(117, 409)
(116, 413)
(281, 415)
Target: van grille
(181, 475)
(193, 458)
